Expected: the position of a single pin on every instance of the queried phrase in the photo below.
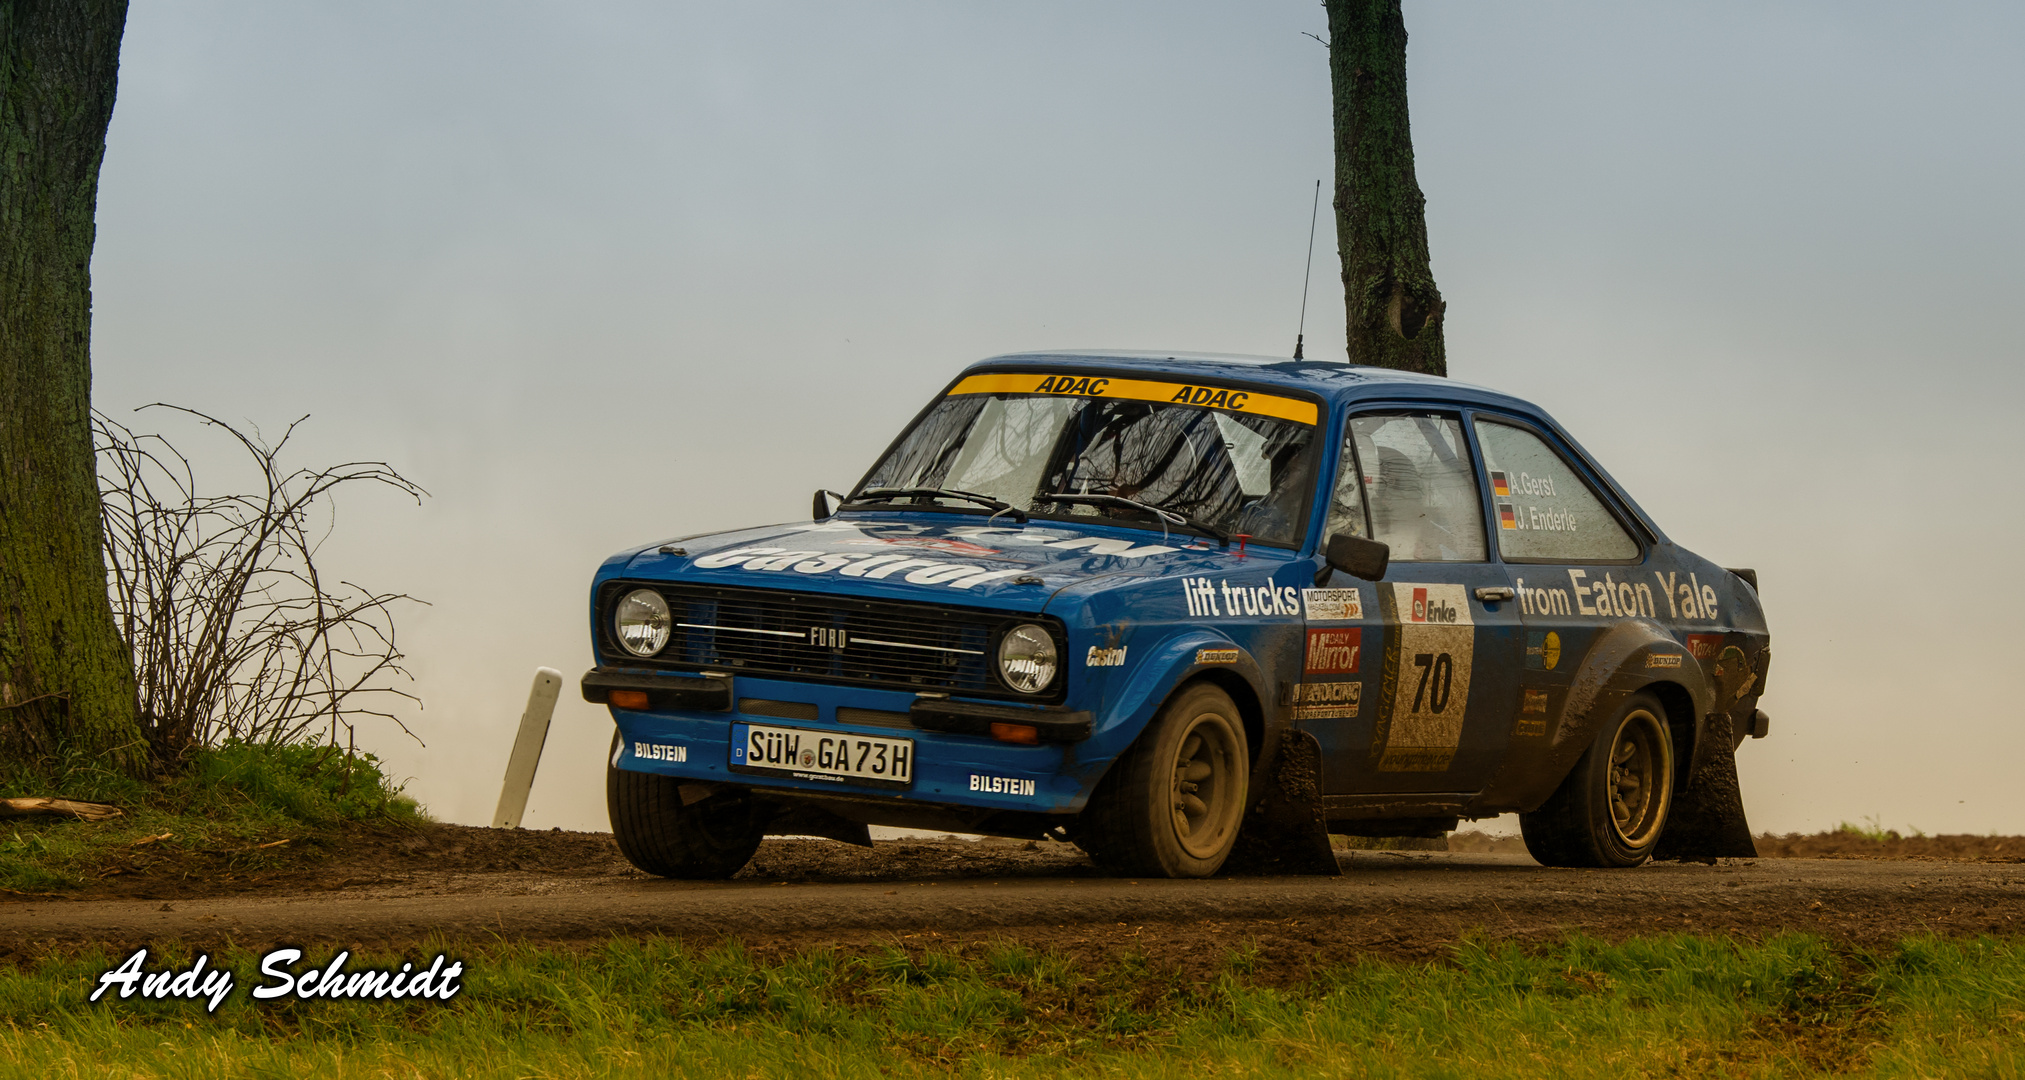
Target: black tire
(1612, 807)
(1171, 805)
(709, 839)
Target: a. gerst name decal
(1171, 393)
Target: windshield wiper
(1167, 517)
(998, 505)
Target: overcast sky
(597, 274)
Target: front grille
(834, 639)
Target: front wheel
(1170, 807)
(1610, 810)
(710, 838)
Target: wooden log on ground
(44, 804)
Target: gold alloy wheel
(1207, 786)
(1640, 778)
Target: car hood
(943, 560)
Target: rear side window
(1544, 510)
(1416, 485)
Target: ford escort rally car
(1171, 607)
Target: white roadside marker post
(527, 748)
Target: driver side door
(1434, 647)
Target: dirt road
(920, 893)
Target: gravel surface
(394, 888)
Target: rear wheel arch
(1684, 725)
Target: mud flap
(1707, 822)
(1285, 831)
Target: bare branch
(235, 632)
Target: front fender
(1185, 656)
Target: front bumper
(686, 727)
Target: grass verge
(1667, 1006)
(224, 804)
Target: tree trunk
(66, 678)
(1394, 309)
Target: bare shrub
(235, 632)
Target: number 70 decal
(1425, 686)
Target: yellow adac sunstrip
(1249, 402)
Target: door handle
(1491, 594)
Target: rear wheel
(1610, 810)
(712, 837)
(1170, 807)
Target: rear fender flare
(1630, 656)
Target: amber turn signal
(1019, 733)
(627, 699)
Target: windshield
(1226, 472)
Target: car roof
(1333, 381)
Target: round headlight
(642, 622)
(1026, 658)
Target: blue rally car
(1171, 607)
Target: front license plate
(835, 756)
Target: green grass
(1670, 1006)
(1873, 829)
(223, 803)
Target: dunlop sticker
(1248, 402)
(1216, 656)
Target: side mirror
(821, 511)
(1358, 557)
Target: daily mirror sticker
(1333, 605)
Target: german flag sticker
(1507, 519)
(1500, 487)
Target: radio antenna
(1308, 272)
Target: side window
(1545, 511)
(1417, 488)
